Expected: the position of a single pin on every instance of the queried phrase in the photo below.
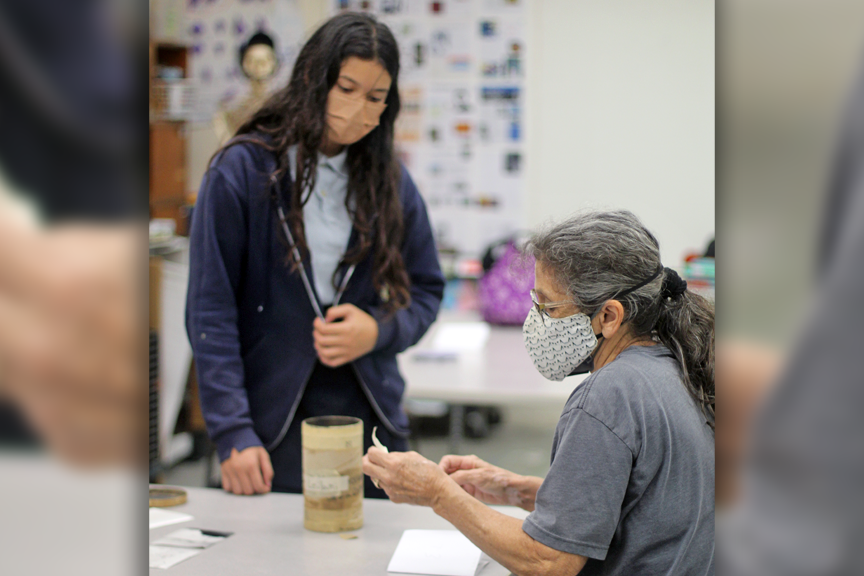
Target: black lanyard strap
(295, 252)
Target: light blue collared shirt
(326, 220)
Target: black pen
(214, 533)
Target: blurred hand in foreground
(71, 344)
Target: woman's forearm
(501, 536)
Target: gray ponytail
(599, 255)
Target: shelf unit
(168, 196)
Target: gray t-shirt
(631, 484)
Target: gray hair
(596, 256)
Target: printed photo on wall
(512, 162)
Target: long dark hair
(297, 115)
(596, 255)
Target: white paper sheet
(189, 538)
(167, 556)
(435, 552)
(461, 337)
(160, 517)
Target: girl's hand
(248, 471)
(406, 477)
(339, 342)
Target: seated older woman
(631, 486)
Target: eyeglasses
(542, 307)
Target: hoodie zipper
(314, 301)
(378, 411)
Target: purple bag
(504, 292)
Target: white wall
(621, 114)
(201, 141)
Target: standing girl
(312, 263)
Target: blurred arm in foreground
(70, 351)
(71, 319)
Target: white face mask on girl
(558, 346)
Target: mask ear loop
(616, 297)
(638, 286)
(597, 337)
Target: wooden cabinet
(168, 173)
(167, 141)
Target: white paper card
(435, 552)
(461, 337)
(188, 538)
(167, 556)
(160, 517)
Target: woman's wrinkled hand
(487, 483)
(406, 477)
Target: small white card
(435, 552)
(167, 556)
(160, 517)
(191, 538)
(181, 545)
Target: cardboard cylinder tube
(332, 473)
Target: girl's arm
(217, 241)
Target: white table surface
(269, 537)
(501, 373)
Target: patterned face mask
(559, 347)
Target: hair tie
(673, 285)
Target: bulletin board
(218, 28)
(461, 131)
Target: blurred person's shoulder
(847, 177)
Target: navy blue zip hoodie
(249, 319)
